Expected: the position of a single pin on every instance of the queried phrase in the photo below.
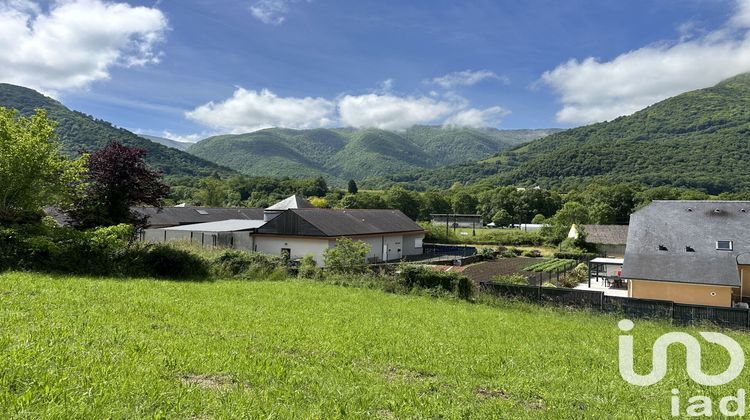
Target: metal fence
(632, 307)
(540, 277)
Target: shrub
(486, 253)
(347, 257)
(415, 276)
(575, 255)
(164, 261)
(532, 253)
(576, 276)
(308, 268)
(236, 263)
(512, 279)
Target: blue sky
(192, 68)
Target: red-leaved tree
(117, 179)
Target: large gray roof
(695, 224)
(334, 223)
(233, 225)
(176, 216)
(606, 234)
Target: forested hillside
(350, 153)
(699, 139)
(79, 131)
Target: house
(609, 240)
(295, 228)
(695, 252)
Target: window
(723, 245)
(689, 249)
(202, 212)
(417, 242)
(662, 248)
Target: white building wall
(299, 247)
(413, 244)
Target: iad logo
(700, 405)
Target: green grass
(92, 348)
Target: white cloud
(592, 90)
(477, 118)
(390, 112)
(466, 78)
(75, 42)
(183, 138)
(249, 110)
(272, 12)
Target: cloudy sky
(185, 69)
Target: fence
(538, 278)
(631, 307)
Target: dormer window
(724, 245)
(662, 248)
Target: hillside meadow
(100, 347)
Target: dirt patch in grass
(396, 373)
(491, 393)
(485, 271)
(214, 382)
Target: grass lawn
(91, 348)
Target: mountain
(179, 145)
(78, 131)
(343, 153)
(699, 139)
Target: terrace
(605, 276)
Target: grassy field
(92, 348)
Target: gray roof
(334, 222)
(606, 234)
(695, 224)
(292, 202)
(222, 226)
(176, 216)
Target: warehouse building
(295, 228)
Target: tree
(434, 202)
(33, 173)
(406, 201)
(464, 203)
(602, 214)
(502, 218)
(212, 193)
(347, 256)
(539, 219)
(319, 202)
(559, 225)
(117, 179)
(363, 200)
(352, 188)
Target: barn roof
(235, 225)
(606, 234)
(334, 223)
(176, 216)
(677, 241)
